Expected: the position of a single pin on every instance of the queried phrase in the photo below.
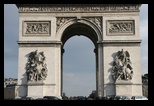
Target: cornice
(78, 7)
(39, 43)
(19, 5)
(120, 42)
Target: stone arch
(111, 27)
(79, 22)
(89, 29)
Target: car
(27, 98)
(41, 99)
(89, 99)
(52, 98)
(120, 97)
(18, 99)
(139, 98)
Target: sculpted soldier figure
(122, 69)
(36, 67)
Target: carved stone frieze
(62, 20)
(36, 68)
(78, 8)
(120, 27)
(96, 20)
(36, 28)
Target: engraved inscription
(37, 27)
(121, 27)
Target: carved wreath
(122, 69)
(36, 68)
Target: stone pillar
(51, 86)
(58, 70)
(96, 54)
(124, 88)
(100, 73)
(35, 89)
(62, 54)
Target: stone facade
(10, 92)
(10, 81)
(111, 27)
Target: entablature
(78, 8)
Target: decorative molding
(33, 28)
(36, 85)
(39, 43)
(78, 7)
(120, 27)
(96, 20)
(120, 42)
(62, 20)
(121, 82)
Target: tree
(64, 97)
(93, 94)
(145, 85)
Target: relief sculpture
(122, 68)
(62, 20)
(36, 68)
(82, 8)
(121, 27)
(37, 28)
(96, 20)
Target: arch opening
(79, 74)
(80, 29)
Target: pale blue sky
(79, 73)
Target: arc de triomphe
(44, 29)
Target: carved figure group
(36, 68)
(120, 27)
(122, 69)
(61, 21)
(33, 28)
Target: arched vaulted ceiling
(79, 29)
